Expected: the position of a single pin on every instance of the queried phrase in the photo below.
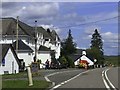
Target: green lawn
(24, 84)
(19, 75)
(17, 84)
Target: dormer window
(46, 39)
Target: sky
(82, 18)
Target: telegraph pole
(35, 59)
(17, 35)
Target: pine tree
(97, 47)
(68, 46)
(97, 40)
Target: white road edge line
(109, 80)
(106, 85)
(64, 82)
(105, 82)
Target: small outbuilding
(10, 63)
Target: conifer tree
(68, 46)
(97, 47)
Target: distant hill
(114, 60)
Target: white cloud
(45, 13)
(47, 26)
(104, 17)
(114, 46)
(78, 47)
(43, 9)
(30, 10)
(107, 37)
(60, 1)
(52, 27)
(90, 29)
(110, 37)
(69, 19)
(23, 7)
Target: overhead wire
(90, 22)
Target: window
(29, 53)
(3, 62)
(6, 72)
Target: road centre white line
(109, 80)
(106, 85)
(53, 83)
(104, 75)
(69, 80)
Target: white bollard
(97, 66)
(29, 76)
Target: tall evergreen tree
(68, 46)
(97, 40)
(97, 47)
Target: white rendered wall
(11, 68)
(76, 62)
(47, 44)
(6, 41)
(43, 56)
(26, 58)
(87, 59)
(57, 50)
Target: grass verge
(114, 60)
(17, 84)
(18, 75)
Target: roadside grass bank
(18, 75)
(112, 60)
(20, 80)
(17, 84)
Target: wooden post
(17, 35)
(35, 41)
(29, 76)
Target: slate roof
(5, 48)
(78, 54)
(43, 48)
(22, 47)
(78, 51)
(54, 35)
(44, 32)
(48, 33)
(9, 27)
(75, 57)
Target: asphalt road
(90, 79)
(65, 75)
(113, 76)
